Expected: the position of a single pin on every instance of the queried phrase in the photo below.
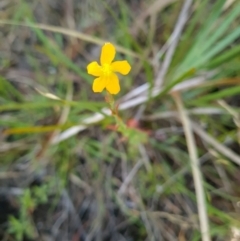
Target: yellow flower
(106, 71)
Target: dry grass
(66, 174)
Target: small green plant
(20, 227)
(23, 224)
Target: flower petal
(94, 69)
(113, 86)
(107, 54)
(99, 84)
(123, 67)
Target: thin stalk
(198, 180)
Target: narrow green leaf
(225, 57)
(220, 94)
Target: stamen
(107, 70)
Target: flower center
(106, 69)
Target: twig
(126, 105)
(145, 157)
(191, 83)
(174, 218)
(182, 19)
(80, 183)
(198, 182)
(171, 45)
(130, 176)
(227, 4)
(72, 33)
(213, 142)
(161, 188)
(194, 111)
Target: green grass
(51, 92)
